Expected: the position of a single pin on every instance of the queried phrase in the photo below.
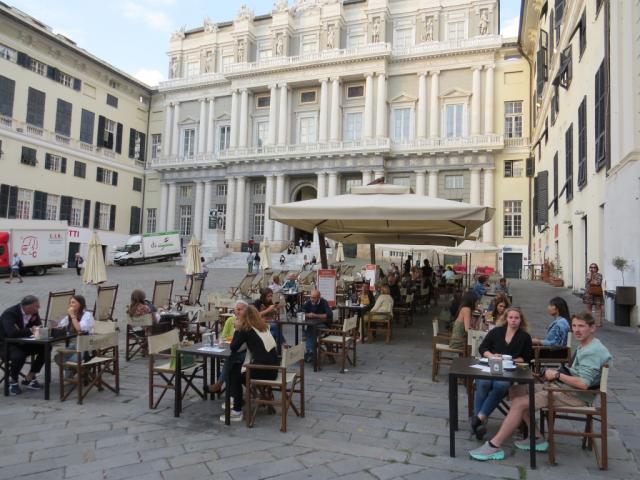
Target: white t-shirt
(86, 322)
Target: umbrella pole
(323, 251)
(372, 252)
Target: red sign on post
(327, 285)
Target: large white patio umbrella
(340, 253)
(192, 264)
(95, 271)
(265, 254)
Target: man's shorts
(542, 396)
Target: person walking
(593, 294)
(16, 265)
(79, 263)
(250, 262)
(301, 244)
(256, 262)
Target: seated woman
(253, 332)
(558, 330)
(268, 310)
(510, 339)
(78, 321)
(499, 305)
(275, 284)
(239, 309)
(463, 322)
(139, 305)
(366, 298)
(384, 304)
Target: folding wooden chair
(442, 354)
(105, 303)
(92, 370)
(57, 306)
(162, 290)
(380, 322)
(195, 291)
(288, 383)
(403, 313)
(138, 329)
(547, 355)
(338, 343)
(244, 287)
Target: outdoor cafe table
(46, 344)
(214, 354)
(307, 322)
(359, 310)
(462, 368)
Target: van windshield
(132, 248)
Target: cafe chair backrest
(105, 302)
(474, 339)
(57, 305)
(103, 327)
(88, 343)
(436, 327)
(162, 290)
(145, 320)
(350, 324)
(569, 339)
(164, 341)
(604, 378)
(292, 355)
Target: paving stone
(354, 464)
(120, 460)
(231, 463)
(137, 470)
(393, 470)
(188, 472)
(267, 469)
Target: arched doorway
(303, 192)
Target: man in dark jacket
(20, 321)
(316, 308)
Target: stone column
(434, 104)
(433, 183)
(241, 214)
(171, 208)
(230, 217)
(268, 201)
(368, 107)
(335, 135)
(202, 126)
(487, 228)
(162, 211)
(324, 105)
(420, 175)
(474, 190)
(321, 184)
(283, 123)
(279, 227)
(235, 123)
(175, 136)
(244, 119)
(488, 100)
(475, 102)
(166, 140)
(333, 184)
(273, 115)
(197, 211)
(211, 127)
(421, 121)
(381, 107)
(206, 205)
(366, 177)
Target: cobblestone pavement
(384, 419)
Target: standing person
(407, 265)
(18, 321)
(315, 308)
(282, 260)
(204, 270)
(593, 295)
(79, 263)
(558, 330)
(256, 262)
(250, 262)
(250, 244)
(301, 244)
(16, 264)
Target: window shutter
(100, 140)
(99, 174)
(134, 223)
(39, 205)
(119, 139)
(86, 126)
(7, 91)
(112, 218)
(143, 146)
(114, 179)
(63, 118)
(540, 59)
(543, 198)
(47, 161)
(96, 216)
(568, 162)
(132, 142)
(63, 165)
(28, 156)
(65, 208)
(24, 60)
(87, 213)
(13, 202)
(4, 200)
(77, 84)
(51, 73)
(35, 107)
(555, 184)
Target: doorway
(305, 192)
(569, 272)
(512, 265)
(74, 248)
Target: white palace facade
(322, 95)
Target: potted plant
(624, 295)
(556, 278)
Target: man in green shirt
(584, 373)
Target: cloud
(152, 17)
(510, 27)
(149, 76)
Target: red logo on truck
(29, 246)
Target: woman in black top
(510, 339)
(252, 333)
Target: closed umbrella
(192, 265)
(340, 253)
(95, 271)
(265, 255)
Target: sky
(134, 35)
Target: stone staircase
(292, 262)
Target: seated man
(502, 287)
(315, 308)
(20, 321)
(480, 288)
(583, 374)
(449, 275)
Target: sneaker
(541, 445)
(230, 403)
(32, 384)
(14, 389)
(487, 452)
(234, 416)
(308, 357)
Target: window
(227, 60)
(542, 71)
(112, 101)
(224, 137)
(258, 219)
(7, 90)
(134, 221)
(403, 38)
(355, 91)
(263, 101)
(38, 67)
(453, 181)
(63, 118)
(600, 101)
(77, 207)
(28, 156)
(156, 145)
(79, 169)
(137, 184)
(555, 104)
(23, 205)
(404, 181)
(356, 40)
(308, 96)
(221, 190)
(353, 126)
(513, 218)
(513, 119)
(110, 132)
(87, 120)
(555, 183)
(193, 69)
(454, 120)
(568, 162)
(186, 191)
(352, 182)
(558, 20)
(264, 50)
(151, 220)
(259, 188)
(8, 53)
(261, 132)
(307, 130)
(35, 107)
(455, 31)
(582, 144)
(55, 163)
(52, 207)
(221, 208)
(402, 124)
(565, 72)
(188, 142)
(108, 177)
(308, 43)
(104, 214)
(583, 32)
(185, 220)
(65, 79)
(513, 168)
(137, 144)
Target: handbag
(595, 290)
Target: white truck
(150, 246)
(40, 244)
